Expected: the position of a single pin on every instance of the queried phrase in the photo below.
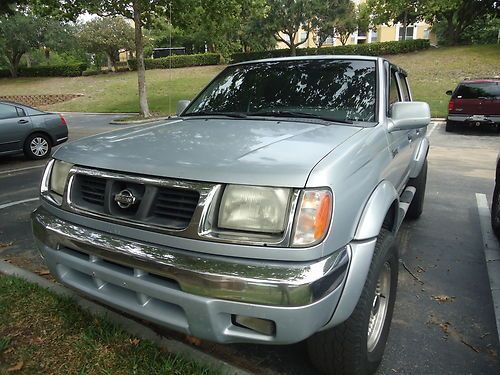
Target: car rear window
(478, 90)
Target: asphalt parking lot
(444, 320)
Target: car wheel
(357, 345)
(495, 210)
(37, 146)
(450, 126)
(419, 183)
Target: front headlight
(313, 217)
(254, 209)
(58, 176)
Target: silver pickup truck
(265, 212)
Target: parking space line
(491, 248)
(434, 126)
(10, 204)
(10, 171)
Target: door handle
(22, 121)
(418, 131)
(410, 138)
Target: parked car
(265, 213)
(474, 102)
(495, 206)
(29, 130)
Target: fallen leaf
(5, 244)
(43, 272)
(135, 341)
(18, 366)
(10, 350)
(193, 340)
(442, 298)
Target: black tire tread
(417, 204)
(338, 350)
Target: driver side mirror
(181, 106)
(409, 115)
(449, 92)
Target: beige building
(380, 33)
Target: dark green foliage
(179, 61)
(48, 71)
(372, 49)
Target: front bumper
(194, 294)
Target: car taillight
(63, 120)
(451, 105)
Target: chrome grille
(170, 207)
(92, 189)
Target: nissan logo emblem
(125, 198)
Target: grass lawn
(432, 72)
(41, 332)
(437, 70)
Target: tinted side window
(7, 111)
(393, 89)
(404, 88)
(478, 90)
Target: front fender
(419, 158)
(374, 213)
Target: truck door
(399, 141)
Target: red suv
(474, 102)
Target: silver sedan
(29, 130)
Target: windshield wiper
(216, 113)
(296, 114)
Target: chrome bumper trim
(251, 281)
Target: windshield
(478, 90)
(335, 90)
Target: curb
(129, 325)
(97, 113)
(491, 254)
(138, 122)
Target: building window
(373, 37)
(285, 37)
(427, 33)
(409, 33)
(303, 36)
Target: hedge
(48, 71)
(369, 49)
(178, 61)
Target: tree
(457, 15)
(405, 12)
(286, 18)
(346, 25)
(19, 34)
(333, 13)
(107, 35)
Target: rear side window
(478, 90)
(20, 112)
(393, 89)
(404, 88)
(7, 111)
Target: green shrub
(371, 49)
(52, 71)
(178, 61)
(91, 72)
(4, 73)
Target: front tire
(419, 183)
(356, 346)
(37, 146)
(495, 210)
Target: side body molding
(374, 212)
(419, 158)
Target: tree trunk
(14, 64)
(47, 55)
(141, 69)
(405, 25)
(293, 49)
(28, 60)
(110, 62)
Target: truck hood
(239, 151)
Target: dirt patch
(40, 100)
